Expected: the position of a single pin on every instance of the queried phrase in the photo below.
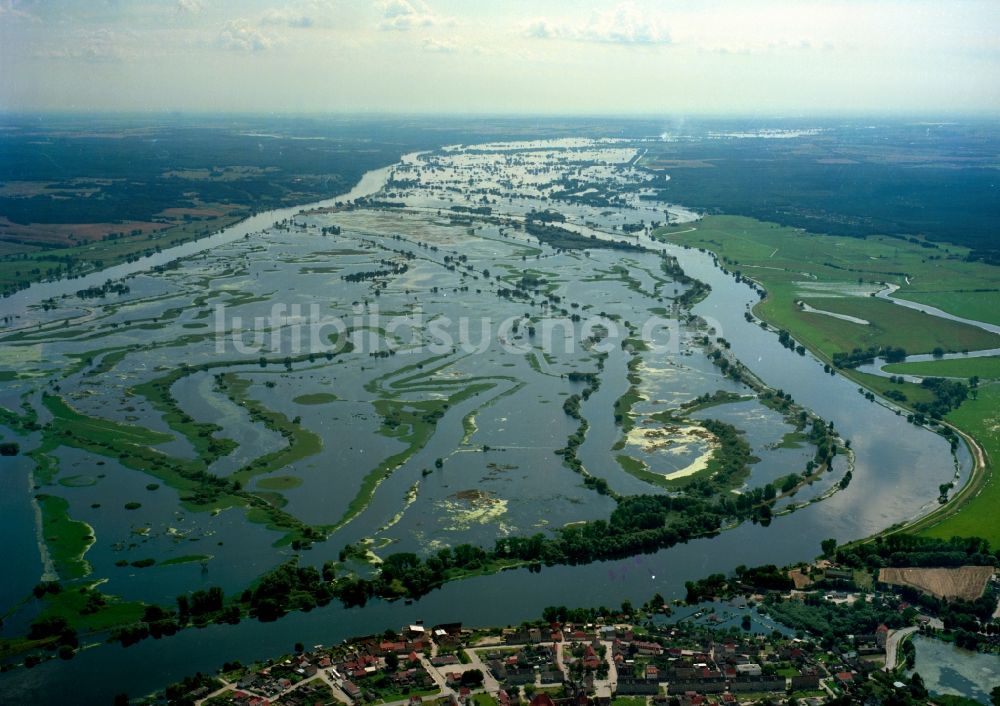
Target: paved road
(321, 675)
(436, 675)
(606, 687)
(892, 646)
(221, 690)
(489, 683)
(334, 685)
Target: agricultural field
(965, 582)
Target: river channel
(898, 468)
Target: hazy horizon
(558, 58)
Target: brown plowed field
(966, 582)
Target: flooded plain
(399, 373)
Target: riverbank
(748, 248)
(847, 641)
(18, 304)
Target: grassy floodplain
(315, 398)
(838, 274)
(985, 368)
(975, 513)
(68, 540)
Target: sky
(648, 57)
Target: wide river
(898, 470)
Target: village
(599, 663)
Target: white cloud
(403, 15)
(95, 45)
(288, 18)
(623, 24)
(9, 11)
(627, 24)
(240, 35)
(441, 46)
(541, 29)
(190, 7)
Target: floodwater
(486, 466)
(947, 669)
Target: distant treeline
(853, 197)
(539, 224)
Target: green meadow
(839, 275)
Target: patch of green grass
(10, 646)
(279, 483)
(976, 517)
(199, 434)
(67, 540)
(623, 408)
(72, 423)
(953, 700)
(968, 304)
(302, 443)
(125, 444)
(186, 559)
(315, 398)
(889, 325)
(793, 265)
(80, 481)
(864, 580)
(636, 344)
(793, 440)
(985, 368)
(484, 700)
(882, 385)
(390, 696)
(532, 358)
(200, 491)
(639, 469)
(72, 603)
(628, 701)
(720, 397)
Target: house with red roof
(844, 678)
(881, 635)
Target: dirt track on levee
(966, 582)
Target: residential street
(892, 646)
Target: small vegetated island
(490, 361)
